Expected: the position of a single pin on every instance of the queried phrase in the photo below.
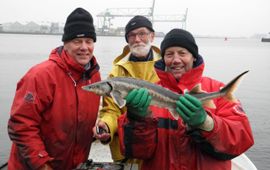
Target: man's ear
(152, 35)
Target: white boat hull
(242, 162)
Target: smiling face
(178, 61)
(139, 41)
(80, 49)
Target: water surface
(224, 60)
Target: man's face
(178, 61)
(139, 41)
(80, 49)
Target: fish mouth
(86, 88)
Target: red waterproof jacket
(52, 116)
(166, 144)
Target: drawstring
(69, 74)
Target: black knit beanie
(182, 38)
(136, 22)
(79, 24)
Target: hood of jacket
(139, 69)
(124, 57)
(72, 68)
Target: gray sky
(205, 17)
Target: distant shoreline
(33, 33)
(40, 33)
(112, 35)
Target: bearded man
(137, 60)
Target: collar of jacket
(187, 81)
(143, 70)
(137, 59)
(64, 61)
(124, 57)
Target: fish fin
(231, 98)
(229, 95)
(174, 114)
(196, 89)
(209, 103)
(231, 87)
(116, 96)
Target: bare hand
(101, 131)
(45, 167)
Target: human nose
(177, 59)
(83, 45)
(137, 37)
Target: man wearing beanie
(137, 60)
(51, 117)
(196, 136)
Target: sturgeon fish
(118, 88)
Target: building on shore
(31, 28)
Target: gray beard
(140, 51)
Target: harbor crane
(105, 18)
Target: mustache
(138, 45)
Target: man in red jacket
(51, 120)
(202, 138)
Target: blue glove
(191, 110)
(138, 101)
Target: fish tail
(231, 87)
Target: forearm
(231, 135)
(28, 142)
(208, 124)
(231, 128)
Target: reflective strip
(167, 123)
(128, 139)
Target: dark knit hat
(136, 22)
(182, 38)
(79, 24)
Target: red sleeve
(232, 132)
(25, 118)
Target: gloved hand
(137, 101)
(191, 110)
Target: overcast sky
(205, 17)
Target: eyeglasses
(141, 35)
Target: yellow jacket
(110, 111)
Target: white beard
(140, 50)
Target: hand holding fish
(137, 102)
(119, 87)
(191, 110)
(193, 113)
